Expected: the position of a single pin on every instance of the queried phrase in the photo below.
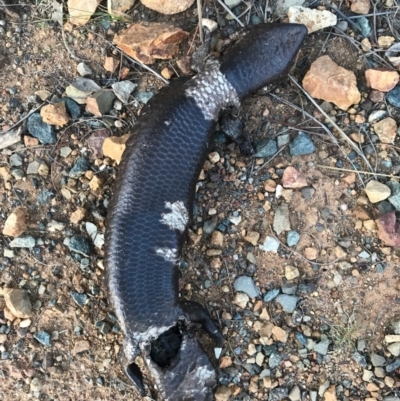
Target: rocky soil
(294, 250)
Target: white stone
(210, 24)
(313, 19)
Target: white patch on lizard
(170, 255)
(212, 91)
(177, 218)
(115, 298)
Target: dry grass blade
(344, 334)
(231, 13)
(200, 15)
(339, 130)
(347, 170)
(146, 67)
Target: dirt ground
(363, 305)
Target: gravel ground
(284, 252)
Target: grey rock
(17, 173)
(281, 219)
(265, 373)
(365, 26)
(282, 6)
(342, 26)
(393, 366)
(361, 345)
(376, 115)
(117, 105)
(83, 70)
(80, 89)
(308, 193)
(65, 151)
(360, 359)
(391, 398)
(209, 226)
(25, 241)
(246, 284)
(80, 299)
(41, 130)
(313, 395)
(43, 337)
(270, 245)
(288, 302)
(377, 360)
(301, 338)
(278, 394)
(293, 238)
(123, 89)
(73, 108)
(271, 295)
(274, 360)
(396, 326)
(16, 160)
(80, 167)
(393, 97)
(232, 3)
(289, 288)
(301, 145)
(144, 97)
(45, 196)
(79, 245)
(323, 387)
(394, 199)
(103, 327)
(322, 347)
(385, 207)
(295, 394)
(283, 140)
(265, 148)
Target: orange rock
(167, 73)
(360, 6)
(279, 334)
(389, 229)
(16, 222)
(100, 102)
(361, 213)
(330, 393)
(111, 64)
(386, 130)
(225, 362)
(293, 179)
(357, 137)
(310, 253)
(124, 73)
(30, 141)
(147, 41)
(376, 96)
(328, 81)
(381, 80)
(349, 179)
(168, 6)
(80, 11)
(270, 186)
(55, 114)
(119, 7)
(114, 147)
(77, 216)
(184, 64)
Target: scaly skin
(153, 200)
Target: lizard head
(179, 367)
